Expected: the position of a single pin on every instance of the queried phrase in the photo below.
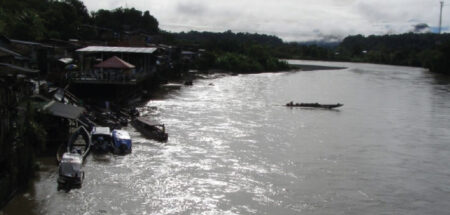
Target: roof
(101, 131)
(4, 39)
(143, 50)
(9, 52)
(9, 68)
(187, 53)
(71, 158)
(63, 110)
(148, 121)
(30, 43)
(121, 134)
(115, 63)
(66, 60)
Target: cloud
(191, 8)
(292, 20)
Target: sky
(291, 20)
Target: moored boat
(121, 142)
(314, 105)
(71, 157)
(153, 130)
(174, 86)
(79, 142)
(70, 174)
(101, 139)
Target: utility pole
(440, 18)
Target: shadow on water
(441, 84)
(28, 202)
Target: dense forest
(67, 19)
(237, 52)
(424, 50)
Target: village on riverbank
(50, 89)
(58, 82)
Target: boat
(314, 105)
(153, 130)
(70, 174)
(121, 142)
(108, 119)
(71, 156)
(79, 142)
(101, 139)
(172, 86)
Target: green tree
(27, 26)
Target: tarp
(63, 110)
(115, 63)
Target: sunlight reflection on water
(235, 149)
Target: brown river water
(235, 149)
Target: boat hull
(68, 183)
(76, 145)
(314, 105)
(150, 131)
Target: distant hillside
(226, 41)
(425, 50)
(320, 43)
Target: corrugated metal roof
(30, 43)
(101, 131)
(144, 50)
(63, 110)
(9, 68)
(66, 60)
(9, 52)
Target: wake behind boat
(314, 105)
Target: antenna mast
(440, 18)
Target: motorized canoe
(314, 105)
(153, 130)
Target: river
(235, 149)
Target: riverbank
(307, 67)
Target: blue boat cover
(121, 137)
